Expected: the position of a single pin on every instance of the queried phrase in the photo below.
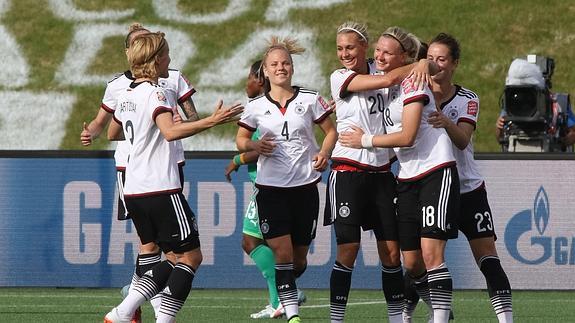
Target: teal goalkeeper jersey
(253, 167)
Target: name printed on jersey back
(128, 106)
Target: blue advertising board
(59, 228)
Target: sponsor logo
(324, 104)
(525, 237)
(161, 96)
(472, 108)
(408, 86)
(267, 113)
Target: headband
(354, 30)
(392, 36)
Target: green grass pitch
(49, 305)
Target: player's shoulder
(258, 98)
(466, 93)
(121, 79)
(306, 92)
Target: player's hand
(500, 123)
(264, 146)
(223, 114)
(351, 138)
(177, 118)
(420, 74)
(86, 135)
(229, 169)
(438, 120)
(320, 161)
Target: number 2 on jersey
(130, 131)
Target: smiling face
(388, 54)
(278, 67)
(441, 55)
(351, 51)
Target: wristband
(237, 160)
(367, 141)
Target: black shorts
(428, 208)
(166, 220)
(475, 219)
(291, 210)
(123, 213)
(361, 199)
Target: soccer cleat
(269, 312)
(294, 319)
(263, 314)
(114, 317)
(278, 312)
(301, 298)
(137, 317)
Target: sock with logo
(422, 287)
(498, 287)
(339, 285)
(147, 286)
(175, 293)
(440, 292)
(392, 285)
(263, 257)
(144, 263)
(287, 289)
(411, 297)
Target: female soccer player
(289, 165)
(154, 198)
(181, 90)
(459, 110)
(361, 188)
(252, 239)
(428, 185)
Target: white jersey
(361, 109)
(464, 107)
(432, 148)
(177, 87)
(152, 166)
(291, 128)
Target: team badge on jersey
(161, 96)
(453, 114)
(299, 109)
(265, 228)
(408, 85)
(472, 108)
(344, 211)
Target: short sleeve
(339, 80)
(248, 119)
(320, 110)
(412, 94)
(159, 103)
(470, 112)
(109, 100)
(185, 88)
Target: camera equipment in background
(535, 118)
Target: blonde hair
(135, 27)
(143, 53)
(290, 45)
(409, 42)
(359, 28)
